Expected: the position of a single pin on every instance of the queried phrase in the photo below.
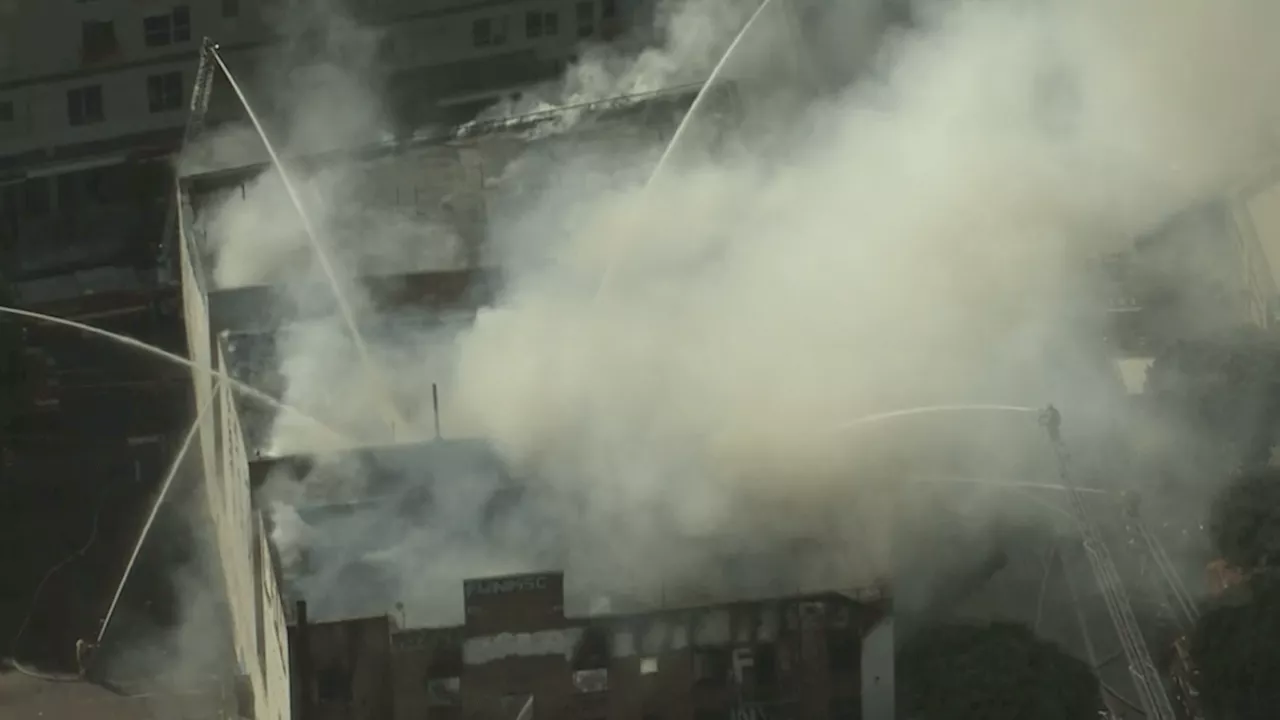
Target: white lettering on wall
(504, 586)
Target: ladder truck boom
(1147, 680)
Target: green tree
(1245, 519)
(999, 671)
(1236, 648)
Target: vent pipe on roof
(435, 407)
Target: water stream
(683, 128)
(931, 410)
(155, 509)
(243, 388)
(391, 414)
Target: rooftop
(353, 537)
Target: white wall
(239, 532)
(878, 672)
(274, 701)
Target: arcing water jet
(127, 341)
(698, 100)
(682, 128)
(155, 510)
(930, 410)
(391, 414)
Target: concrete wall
(252, 590)
(1258, 224)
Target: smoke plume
(847, 228)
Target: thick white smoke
(916, 237)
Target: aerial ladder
(1152, 696)
(1178, 604)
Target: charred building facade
(517, 654)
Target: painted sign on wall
(514, 601)
(540, 582)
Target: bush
(1245, 519)
(1236, 647)
(1000, 671)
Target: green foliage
(1245, 520)
(1000, 671)
(1236, 647)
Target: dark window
(608, 9)
(586, 14)
(157, 30)
(172, 27)
(84, 105)
(592, 651)
(181, 23)
(710, 714)
(846, 708)
(843, 651)
(766, 666)
(96, 186)
(333, 684)
(711, 667)
(98, 40)
(10, 206)
(541, 24)
(230, 8)
(164, 92)
(6, 111)
(482, 32)
(37, 200)
(446, 662)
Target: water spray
(931, 410)
(391, 414)
(238, 386)
(698, 100)
(683, 128)
(155, 508)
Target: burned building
(820, 656)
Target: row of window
(68, 193)
(98, 38)
(85, 105)
(488, 32)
